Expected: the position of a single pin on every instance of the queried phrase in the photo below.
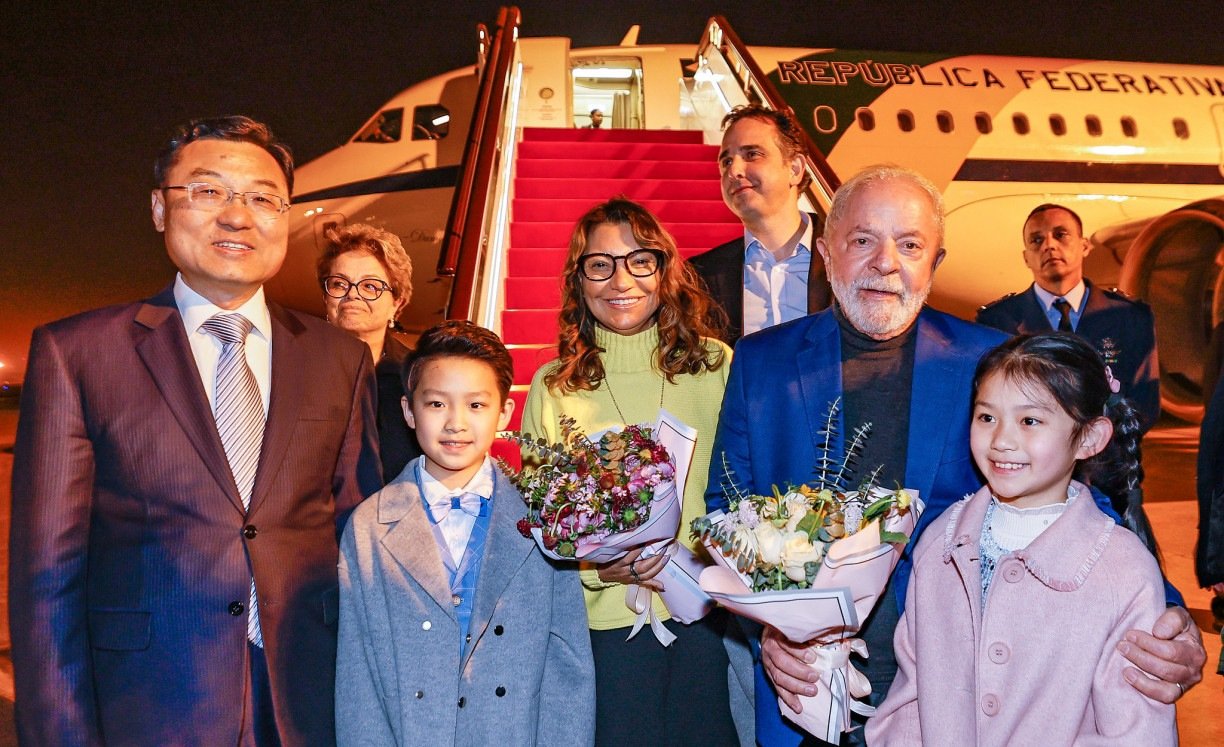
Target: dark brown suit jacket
(132, 555)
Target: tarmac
(1169, 458)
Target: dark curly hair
(686, 313)
(235, 128)
(1069, 369)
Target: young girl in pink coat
(1021, 592)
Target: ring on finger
(633, 571)
(1181, 689)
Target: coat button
(999, 653)
(426, 625)
(990, 704)
(420, 694)
(1013, 572)
(249, 531)
(500, 691)
(467, 638)
(462, 701)
(498, 630)
(456, 600)
(236, 608)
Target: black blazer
(722, 270)
(397, 442)
(1121, 329)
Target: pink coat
(1040, 666)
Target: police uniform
(1121, 329)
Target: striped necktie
(238, 410)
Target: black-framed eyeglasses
(370, 289)
(641, 263)
(215, 197)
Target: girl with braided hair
(1021, 592)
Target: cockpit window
(385, 128)
(430, 122)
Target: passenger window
(984, 125)
(1129, 128)
(430, 122)
(866, 119)
(1181, 129)
(387, 127)
(905, 120)
(1020, 123)
(1093, 124)
(1058, 125)
(943, 120)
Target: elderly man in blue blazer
(905, 369)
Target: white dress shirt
(206, 349)
(456, 528)
(775, 291)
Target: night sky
(88, 96)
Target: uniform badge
(1109, 351)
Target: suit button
(236, 608)
(249, 531)
(1013, 572)
(420, 694)
(456, 600)
(498, 630)
(468, 638)
(462, 700)
(426, 625)
(990, 704)
(500, 691)
(999, 653)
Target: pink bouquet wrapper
(683, 596)
(846, 588)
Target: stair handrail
(464, 239)
(759, 88)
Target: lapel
(962, 547)
(163, 348)
(1033, 319)
(935, 384)
(819, 294)
(505, 551)
(730, 290)
(819, 364)
(410, 539)
(1096, 306)
(288, 383)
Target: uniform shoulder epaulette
(995, 302)
(1121, 295)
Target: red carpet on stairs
(559, 175)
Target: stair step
(667, 211)
(547, 264)
(521, 326)
(528, 359)
(592, 169)
(560, 135)
(686, 234)
(533, 292)
(603, 189)
(618, 151)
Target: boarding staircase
(559, 175)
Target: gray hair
(881, 173)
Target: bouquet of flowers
(595, 500)
(811, 561)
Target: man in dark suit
(1120, 328)
(770, 274)
(908, 370)
(181, 471)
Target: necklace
(608, 385)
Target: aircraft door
(611, 86)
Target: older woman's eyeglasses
(641, 263)
(370, 289)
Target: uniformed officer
(1120, 328)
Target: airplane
(1137, 149)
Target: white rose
(769, 543)
(797, 551)
(796, 509)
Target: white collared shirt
(775, 291)
(195, 309)
(1075, 297)
(456, 528)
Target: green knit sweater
(636, 386)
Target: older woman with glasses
(367, 281)
(636, 336)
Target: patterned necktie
(1064, 314)
(441, 506)
(239, 413)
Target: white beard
(881, 320)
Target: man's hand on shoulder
(1172, 656)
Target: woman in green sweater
(636, 336)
